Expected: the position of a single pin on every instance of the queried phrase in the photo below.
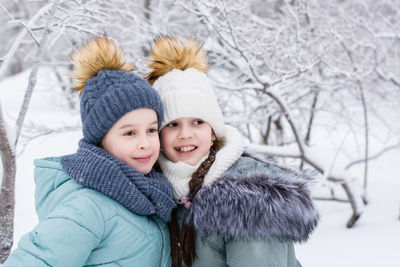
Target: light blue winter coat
(79, 226)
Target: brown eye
(130, 133)
(198, 122)
(172, 124)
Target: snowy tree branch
(35, 69)
(7, 198)
(19, 40)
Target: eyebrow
(133, 125)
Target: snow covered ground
(373, 242)
(375, 239)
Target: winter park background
(304, 81)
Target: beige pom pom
(170, 53)
(97, 54)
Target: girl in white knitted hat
(234, 210)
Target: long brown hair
(183, 243)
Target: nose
(143, 143)
(185, 132)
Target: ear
(213, 137)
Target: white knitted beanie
(178, 75)
(189, 93)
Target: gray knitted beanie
(108, 88)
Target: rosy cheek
(156, 145)
(164, 146)
(165, 140)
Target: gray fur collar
(256, 202)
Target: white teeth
(185, 148)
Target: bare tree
(305, 59)
(8, 149)
(7, 190)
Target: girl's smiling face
(134, 139)
(187, 140)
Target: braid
(174, 236)
(198, 176)
(188, 233)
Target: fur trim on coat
(255, 199)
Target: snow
(373, 241)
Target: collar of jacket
(97, 169)
(256, 199)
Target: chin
(191, 162)
(146, 171)
(141, 170)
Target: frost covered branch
(7, 198)
(20, 39)
(35, 69)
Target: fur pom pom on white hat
(178, 74)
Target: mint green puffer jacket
(79, 226)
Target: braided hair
(183, 243)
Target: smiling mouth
(185, 149)
(143, 159)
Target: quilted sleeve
(65, 237)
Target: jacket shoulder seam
(74, 221)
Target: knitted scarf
(97, 169)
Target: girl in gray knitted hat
(235, 210)
(104, 205)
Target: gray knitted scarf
(95, 168)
